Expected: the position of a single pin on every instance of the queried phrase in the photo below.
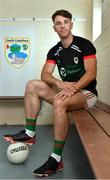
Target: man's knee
(37, 87)
(33, 85)
(59, 104)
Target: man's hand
(65, 94)
(69, 86)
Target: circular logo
(63, 72)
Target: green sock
(58, 147)
(30, 124)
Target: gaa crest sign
(17, 51)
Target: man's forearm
(49, 79)
(85, 80)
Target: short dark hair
(63, 13)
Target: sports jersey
(70, 60)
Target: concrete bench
(94, 130)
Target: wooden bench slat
(102, 118)
(95, 142)
(103, 106)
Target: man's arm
(90, 74)
(46, 74)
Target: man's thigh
(47, 92)
(82, 100)
(78, 101)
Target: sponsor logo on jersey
(63, 72)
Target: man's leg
(61, 121)
(61, 127)
(36, 90)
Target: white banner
(17, 57)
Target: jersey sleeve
(89, 51)
(51, 57)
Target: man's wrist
(76, 87)
(57, 82)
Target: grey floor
(76, 165)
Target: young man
(76, 61)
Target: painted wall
(103, 56)
(12, 112)
(45, 8)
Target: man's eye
(58, 23)
(66, 22)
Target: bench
(93, 127)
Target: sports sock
(58, 149)
(30, 127)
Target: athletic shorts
(91, 98)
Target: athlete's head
(63, 13)
(62, 20)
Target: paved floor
(74, 157)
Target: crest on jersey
(76, 60)
(17, 50)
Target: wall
(45, 8)
(11, 111)
(103, 55)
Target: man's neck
(67, 41)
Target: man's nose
(62, 25)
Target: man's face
(62, 26)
